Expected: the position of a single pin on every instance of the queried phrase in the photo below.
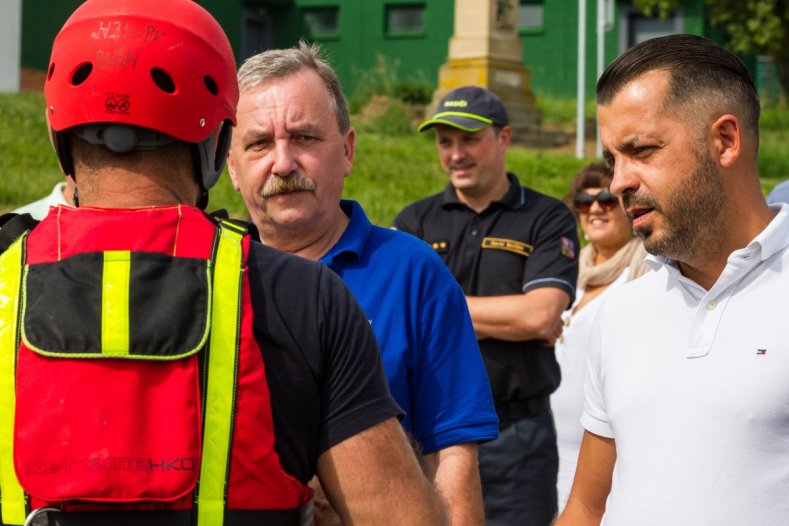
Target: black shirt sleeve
(554, 260)
(322, 362)
(407, 220)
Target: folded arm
(535, 315)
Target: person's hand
(557, 333)
(324, 514)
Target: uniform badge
(568, 248)
(440, 246)
(509, 245)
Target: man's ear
(231, 169)
(349, 147)
(505, 136)
(726, 133)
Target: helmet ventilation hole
(163, 80)
(81, 74)
(51, 71)
(210, 83)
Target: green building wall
(41, 21)
(550, 52)
(362, 40)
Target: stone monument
(485, 51)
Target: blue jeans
(519, 471)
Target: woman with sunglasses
(612, 256)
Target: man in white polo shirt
(687, 389)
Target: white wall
(10, 43)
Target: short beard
(691, 215)
(292, 182)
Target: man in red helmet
(156, 366)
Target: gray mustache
(292, 182)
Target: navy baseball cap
(470, 109)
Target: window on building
(256, 31)
(405, 19)
(530, 15)
(322, 21)
(634, 27)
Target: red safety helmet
(161, 65)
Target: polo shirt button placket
(474, 230)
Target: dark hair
(701, 73)
(594, 175)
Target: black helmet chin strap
(202, 201)
(211, 154)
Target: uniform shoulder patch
(568, 247)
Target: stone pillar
(10, 44)
(485, 51)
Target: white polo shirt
(693, 385)
(39, 209)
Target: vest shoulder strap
(222, 366)
(12, 226)
(13, 502)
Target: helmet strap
(62, 144)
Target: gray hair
(278, 63)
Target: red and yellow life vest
(130, 380)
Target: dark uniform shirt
(525, 241)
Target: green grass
(394, 165)
(773, 149)
(27, 161)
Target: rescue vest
(130, 380)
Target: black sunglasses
(583, 201)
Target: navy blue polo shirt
(420, 318)
(524, 241)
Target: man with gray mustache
(292, 149)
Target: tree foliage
(755, 26)
(759, 27)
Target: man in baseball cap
(513, 250)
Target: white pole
(10, 44)
(600, 61)
(581, 90)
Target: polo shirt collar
(514, 198)
(352, 242)
(773, 239)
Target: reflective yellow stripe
(115, 303)
(220, 384)
(439, 116)
(11, 493)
